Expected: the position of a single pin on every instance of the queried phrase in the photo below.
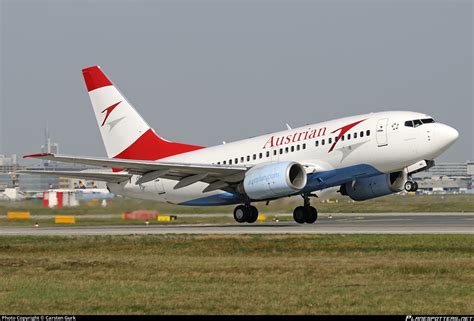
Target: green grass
(182, 274)
(392, 203)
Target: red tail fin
(124, 132)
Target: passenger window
(336, 139)
(281, 151)
(292, 149)
(361, 134)
(329, 140)
(348, 136)
(218, 163)
(236, 161)
(304, 146)
(274, 152)
(260, 155)
(224, 162)
(317, 143)
(254, 156)
(286, 149)
(323, 142)
(242, 159)
(230, 161)
(342, 137)
(355, 135)
(268, 153)
(248, 158)
(367, 132)
(297, 147)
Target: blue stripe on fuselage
(316, 182)
(224, 198)
(336, 177)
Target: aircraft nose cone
(447, 134)
(451, 134)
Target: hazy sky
(202, 72)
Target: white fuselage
(382, 140)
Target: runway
(391, 223)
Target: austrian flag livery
(362, 157)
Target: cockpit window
(418, 122)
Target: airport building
(447, 178)
(8, 165)
(33, 183)
(37, 183)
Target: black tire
(409, 186)
(311, 215)
(415, 188)
(299, 215)
(252, 214)
(241, 214)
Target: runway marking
(372, 220)
(383, 224)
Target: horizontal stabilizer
(108, 177)
(168, 170)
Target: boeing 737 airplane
(364, 156)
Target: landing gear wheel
(299, 215)
(240, 213)
(311, 214)
(252, 214)
(411, 186)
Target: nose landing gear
(411, 186)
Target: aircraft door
(381, 132)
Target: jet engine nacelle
(274, 180)
(371, 187)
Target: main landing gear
(305, 214)
(245, 213)
(411, 186)
(301, 214)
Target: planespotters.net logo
(439, 318)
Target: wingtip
(37, 155)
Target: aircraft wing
(218, 176)
(110, 177)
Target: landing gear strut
(411, 186)
(245, 213)
(306, 213)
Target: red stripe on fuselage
(95, 78)
(151, 147)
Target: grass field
(392, 203)
(181, 274)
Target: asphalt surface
(390, 223)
